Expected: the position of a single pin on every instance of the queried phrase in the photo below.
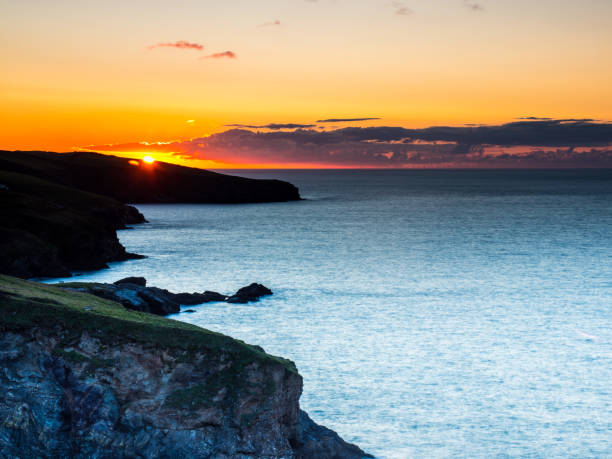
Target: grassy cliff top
(25, 304)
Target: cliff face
(91, 400)
(83, 377)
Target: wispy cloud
(474, 6)
(533, 118)
(224, 54)
(273, 126)
(401, 9)
(562, 120)
(345, 120)
(270, 24)
(181, 44)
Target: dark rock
(190, 299)
(315, 441)
(249, 293)
(131, 296)
(47, 230)
(25, 255)
(190, 311)
(141, 281)
(132, 293)
(158, 301)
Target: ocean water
(431, 313)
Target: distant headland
(59, 211)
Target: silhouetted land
(157, 183)
(48, 230)
(59, 212)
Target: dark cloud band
(345, 120)
(526, 143)
(273, 126)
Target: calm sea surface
(431, 313)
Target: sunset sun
(148, 159)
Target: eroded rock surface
(90, 400)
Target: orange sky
(79, 73)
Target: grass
(25, 304)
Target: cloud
(529, 143)
(273, 126)
(401, 9)
(224, 54)
(181, 44)
(344, 120)
(474, 6)
(563, 120)
(270, 24)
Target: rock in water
(132, 293)
(249, 293)
(190, 299)
(141, 281)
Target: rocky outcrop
(140, 281)
(47, 230)
(191, 299)
(132, 296)
(320, 442)
(249, 293)
(133, 293)
(84, 378)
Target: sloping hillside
(144, 183)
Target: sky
(249, 83)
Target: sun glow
(148, 159)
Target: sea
(432, 313)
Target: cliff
(84, 377)
(157, 183)
(49, 230)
